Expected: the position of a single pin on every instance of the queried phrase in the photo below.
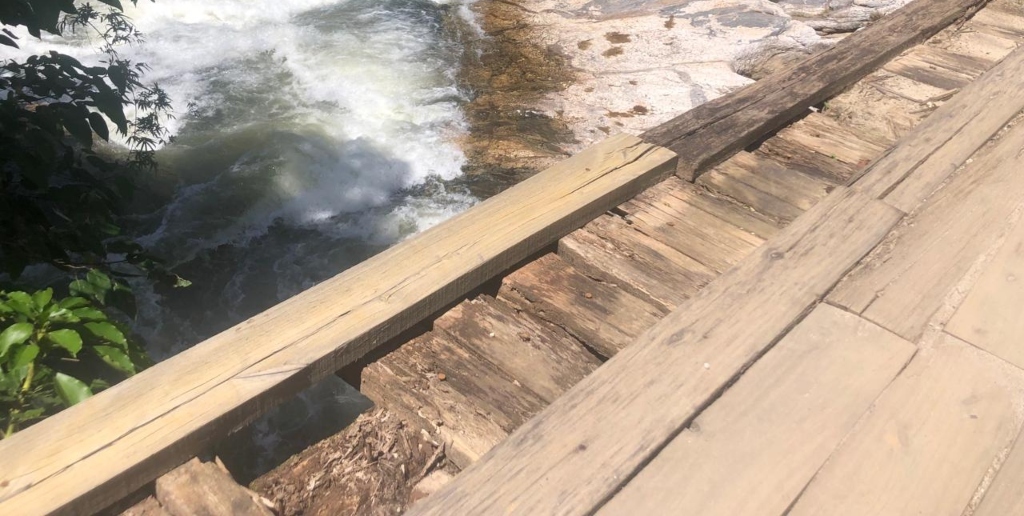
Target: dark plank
(710, 133)
(540, 356)
(602, 316)
(613, 251)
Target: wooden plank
(998, 23)
(168, 413)
(202, 488)
(452, 391)
(990, 317)
(466, 434)
(944, 141)
(579, 451)
(804, 159)
(927, 443)
(720, 181)
(771, 177)
(728, 210)
(696, 233)
(1004, 496)
(711, 132)
(919, 68)
(983, 46)
(755, 448)
(902, 285)
(611, 250)
(895, 84)
(827, 137)
(602, 316)
(544, 359)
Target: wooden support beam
(711, 132)
(95, 453)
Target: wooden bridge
(764, 306)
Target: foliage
(55, 353)
(63, 201)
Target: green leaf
(71, 303)
(16, 333)
(70, 389)
(117, 358)
(108, 332)
(67, 339)
(42, 298)
(100, 280)
(25, 355)
(21, 303)
(90, 314)
(84, 288)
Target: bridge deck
(855, 349)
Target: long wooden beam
(95, 453)
(712, 132)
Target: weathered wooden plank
(990, 317)
(927, 443)
(543, 358)
(921, 69)
(443, 387)
(202, 488)
(980, 45)
(168, 413)
(902, 285)
(696, 233)
(827, 137)
(895, 84)
(804, 159)
(946, 139)
(710, 133)
(755, 448)
(602, 316)
(579, 451)
(998, 23)
(728, 210)
(771, 177)
(610, 250)
(1004, 496)
(721, 181)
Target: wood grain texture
(825, 136)
(159, 418)
(944, 141)
(902, 285)
(718, 206)
(990, 317)
(612, 251)
(708, 239)
(543, 358)
(1004, 496)
(927, 443)
(755, 448)
(472, 407)
(604, 317)
(575, 454)
(711, 132)
(769, 176)
(202, 488)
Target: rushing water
(310, 135)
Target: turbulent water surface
(310, 134)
